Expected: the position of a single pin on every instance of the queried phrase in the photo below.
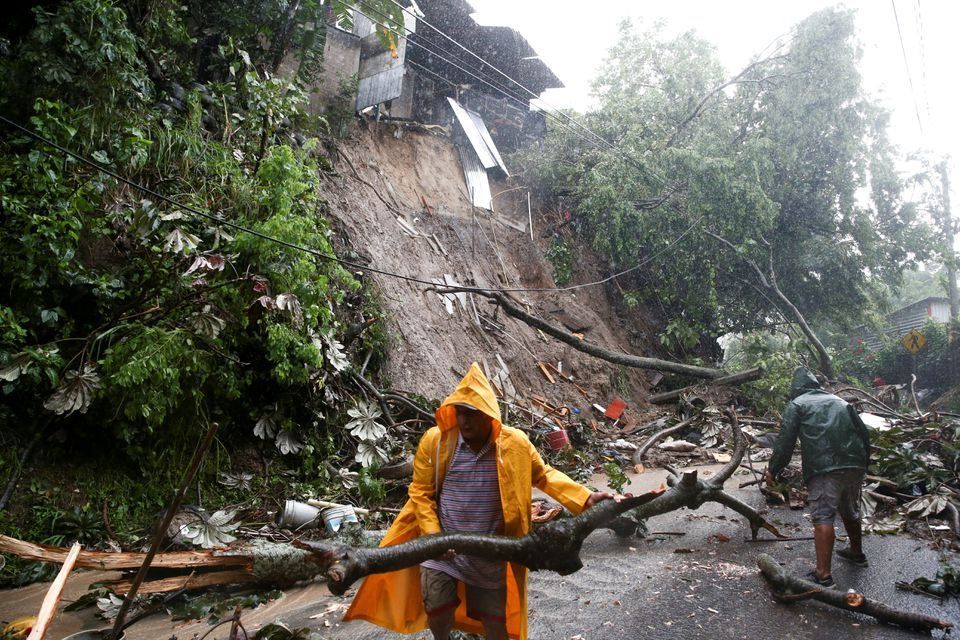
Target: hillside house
(900, 322)
(424, 77)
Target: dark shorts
(439, 593)
(835, 492)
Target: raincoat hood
(803, 381)
(475, 391)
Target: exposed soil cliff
(405, 169)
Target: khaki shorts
(439, 593)
(833, 492)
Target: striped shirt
(470, 503)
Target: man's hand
(768, 477)
(600, 496)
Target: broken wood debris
(52, 597)
(788, 588)
(730, 380)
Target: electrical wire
(528, 91)
(906, 64)
(596, 137)
(319, 254)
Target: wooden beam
(110, 561)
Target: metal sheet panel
(380, 74)
(478, 185)
(380, 87)
(473, 135)
(482, 128)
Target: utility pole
(949, 253)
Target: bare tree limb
(790, 588)
(770, 284)
(663, 433)
(616, 357)
(734, 379)
(554, 546)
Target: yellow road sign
(914, 341)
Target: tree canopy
(788, 161)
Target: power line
(319, 254)
(906, 64)
(508, 77)
(469, 72)
(648, 172)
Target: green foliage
(776, 354)
(215, 607)
(372, 489)
(679, 335)
(137, 321)
(914, 456)
(772, 162)
(616, 478)
(561, 257)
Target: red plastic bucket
(557, 440)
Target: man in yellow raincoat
(467, 439)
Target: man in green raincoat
(835, 451)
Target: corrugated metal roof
(472, 125)
(478, 185)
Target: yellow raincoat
(393, 600)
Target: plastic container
(557, 440)
(298, 515)
(335, 517)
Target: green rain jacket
(832, 435)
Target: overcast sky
(573, 38)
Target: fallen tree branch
(769, 282)
(789, 588)
(49, 606)
(732, 380)
(616, 357)
(663, 433)
(554, 546)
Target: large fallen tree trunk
(554, 546)
(732, 380)
(788, 588)
(616, 357)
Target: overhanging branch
(616, 357)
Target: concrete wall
(341, 61)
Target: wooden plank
(49, 606)
(570, 380)
(546, 373)
(111, 561)
(192, 581)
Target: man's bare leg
(494, 629)
(854, 532)
(441, 624)
(823, 537)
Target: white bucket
(335, 517)
(297, 515)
